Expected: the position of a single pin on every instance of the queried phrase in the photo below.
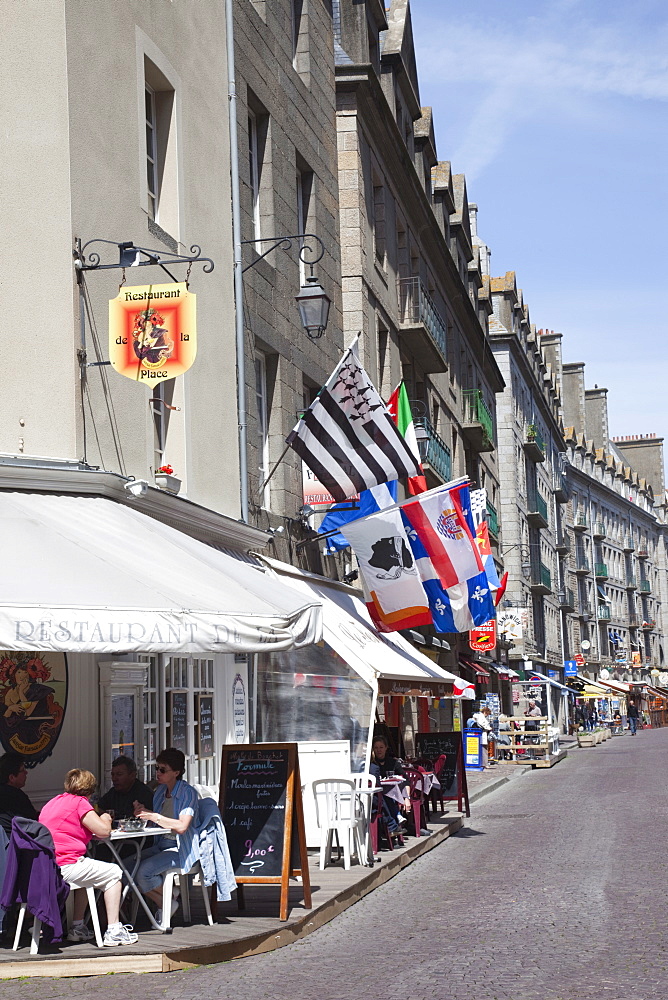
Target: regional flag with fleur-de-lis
(439, 528)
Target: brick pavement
(553, 891)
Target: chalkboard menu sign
(178, 719)
(204, 725)
(452, 775)
(261, 806)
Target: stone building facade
(616, 526)
(531, 463)
(412, 283)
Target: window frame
(254, 173)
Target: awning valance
(479, 671)
(86, 574)
(386, 661)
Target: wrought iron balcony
(631, 583)
(648, 625)
(603, 613)
(534, 446)
(492, 520)
(643, 551)
(563, 544)
(537, 512)
(567, 599)
(580, 522)
(629, 544)
(633, 621)
(583, 566)
(434, 452)
(645, 587)
(419, 316)
(599, 529)
(478, 424)
(560, 488)
(584, 610)
(541, 580)
(601, 571)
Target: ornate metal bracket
(130, 255)
(285, 243)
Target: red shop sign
(483, 637)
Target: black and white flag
(347, 436)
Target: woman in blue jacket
(176, 809)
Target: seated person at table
(384, 765)
(13, 800)
(73, 823)
(176, 809)
(126, 790)
(387, 764)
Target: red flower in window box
(166, 470)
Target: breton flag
(347, 436)
(439, 531)
(400, 411)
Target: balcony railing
(476, 411)
(435, 452)
(631, 583)
(645, 587)
(648, 624)
(643, 552)
(633, 621)
(584, 610)
(580, 521)
(629, 544)
(416, 306)
(601, 571)
(567, 599)
(534, 445)
(563, 543)
(603, 613)
(541, 579)
(537, 512)
(582, 565)
(560, 487)
(492, 520)
(599, 529)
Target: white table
(139, 837)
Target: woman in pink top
(73, 823)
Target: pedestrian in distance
(632, 715)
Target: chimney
(473, 218)
(596, 417)
(644, 453)
(573, 395)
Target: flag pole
(276, 465)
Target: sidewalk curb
(263, 941)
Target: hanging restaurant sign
(483, 637)
(152, 332)
(33, 698)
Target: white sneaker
(121, 935)
(79, 934)
(158, 913)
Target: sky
(557, 112)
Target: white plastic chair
(37, 924)
(364, 781)
(168, 892)
(338, 811)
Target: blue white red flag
(440, 532)
(485, 549)
(370, 502)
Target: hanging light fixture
(314, 303)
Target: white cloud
(542, 63)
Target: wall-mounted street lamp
(313, 303)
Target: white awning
(386, 661)
(90, 575)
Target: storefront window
(312, 694)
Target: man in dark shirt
(13, 800)
(632, 715)
(126, 788)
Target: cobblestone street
(555, 890)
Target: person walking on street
(632, 714)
